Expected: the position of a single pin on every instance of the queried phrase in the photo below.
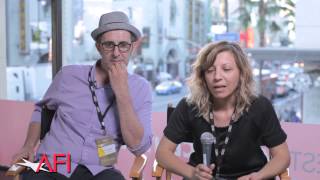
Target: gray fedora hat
(115, 20)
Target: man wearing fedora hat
(98, 108)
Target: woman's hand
(202, 172)
(252, 176)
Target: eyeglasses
(123, 46)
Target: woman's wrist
(260, 175)
(191, 173)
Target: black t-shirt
(257, 127)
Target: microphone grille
(207, 138)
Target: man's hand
(26, 153)
(118, 77)
(202, 172)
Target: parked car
(168, 87)
(161, 77)
(164, 76)
(282, 89)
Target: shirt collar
(93, 76)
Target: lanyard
(219, 155)
(95, 102)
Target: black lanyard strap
(95, 102)
(220, 155)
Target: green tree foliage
(266, 13)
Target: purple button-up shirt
(75, 125)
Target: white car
(168, 87)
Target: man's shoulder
(70, 68)
(75, 69)
(135, 80)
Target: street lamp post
(226, 11)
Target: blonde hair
(199, 94)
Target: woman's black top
(259, 126)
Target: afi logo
(36, 167)
(44, 160)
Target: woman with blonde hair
(222, 101)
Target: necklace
(220, 155)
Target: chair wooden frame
(158, 170)
(136, 170)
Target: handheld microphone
(206, 141)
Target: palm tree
(288, 7)
(265, 10)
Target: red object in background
(243, 39)
(247, 38)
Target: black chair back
(46, 119)
(170, 109)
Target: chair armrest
(285, 175)
(138, 166)
(15, 169)
(157, 169)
